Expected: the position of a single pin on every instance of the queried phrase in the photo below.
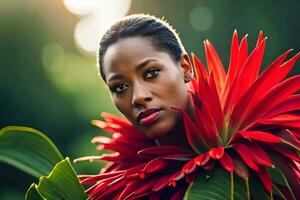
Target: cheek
(174, 90)
(123, 105)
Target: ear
(186, 66)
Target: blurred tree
(28, 96)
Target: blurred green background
(49, 78)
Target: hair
(161, 34)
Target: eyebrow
(143, 64)
(137, 68)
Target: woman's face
(145, 83)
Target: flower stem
(271, 195)
(247, 188)
(231, 186)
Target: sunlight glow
(81, 7)
(97, 16)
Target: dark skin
(141, 77)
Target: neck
(176, 137)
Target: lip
(148, 116)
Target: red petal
(202, 159)
(134, 171)
(92, 179)
(178, 157)
(128, 150)
(227, 162)
(145, 188)
(193, 136)
(101, 140)
(176, 177)
(163, 150)
(215, 65)
(121, 125)
(189, 167)
(129, 189)
(249, 71)
(259, 155)
(189, 178)
(289, 153)
(290, 137)
(287, 169)
(274, 97)
(205, 123)
(216, 152)
(88, 158)
(115, 119)
(260, 38)
(214, 104)
(290, 104)
(232, 70)
(108, 187)
(271, 76)
(243, 53)
(260, 136)
(157, 164)
(162, 182)
(229, 98)
(199, 68)
(284, 120)
(240, 168)
(243, 151)
(265, 178)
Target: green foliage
(33, 193)
(220, 185)
(29, 150)
(33, 152)
(216, 185)
(62, 183)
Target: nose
(141, 95)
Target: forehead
(129, 52)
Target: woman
(180, 127)
(146, 69)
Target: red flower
(246, 122)
(138, 163)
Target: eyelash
(116, 86)
(149, 72)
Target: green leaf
(33, 193)
(216, 186)
(33, 152)
(62, 183)
(28, 149)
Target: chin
(159, 128)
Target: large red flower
(246, 122)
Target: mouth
(148, 116)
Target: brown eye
(152, 73)
(119, 88)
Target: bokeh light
(97, 16)
(80, 7)
(47, 84)
(201, 18)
